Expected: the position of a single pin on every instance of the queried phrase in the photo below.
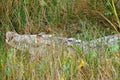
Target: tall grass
(69, 18)
(29, 16)
(57, 63)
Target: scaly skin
(37, 43)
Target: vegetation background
(83, 19)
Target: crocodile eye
(70, 39)
(112, 36)
(10, 38)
